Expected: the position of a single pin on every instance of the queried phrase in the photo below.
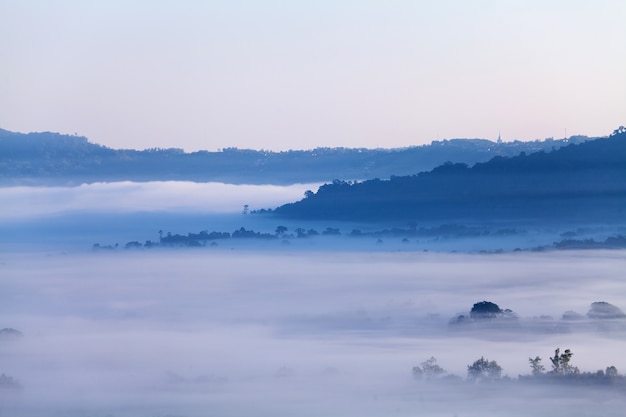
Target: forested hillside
(585, 180)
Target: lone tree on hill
(619, 131)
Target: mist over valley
(166, 298)
(312, 209)
(183, 332)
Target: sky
(281, 75)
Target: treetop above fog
(562, 371)
(604, 310)
(486, 314)
(485, 309)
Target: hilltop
(579, 181)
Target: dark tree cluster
(611, 242)
(202, 238)
(444, 231)
(484, 311)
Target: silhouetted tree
(619, 131)
(536, 366)
(429, 369)
(561, 363)
(132, 245)
(483, 369)
(611, 372)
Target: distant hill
(53, 159)
(586, 180)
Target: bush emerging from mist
(9, 333)
(429, 369)
(8, 382)
(604, 310)
(484, 370)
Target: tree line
(562, 371)
(204, 237)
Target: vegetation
(483, 312)
(485, 309)
(429, 369)
(445, 231)
(561, 363)
(536, 366)
(611, 242)
(563, 372)
(484, 370)
(8, 382)
(583, 182)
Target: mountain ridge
(586, 179)
(47, 158)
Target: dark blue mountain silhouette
(587, 180)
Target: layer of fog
(117, 213)
(126, 196)
(237, 333)
(110, 213)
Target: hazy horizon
(260, 147)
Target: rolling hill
(586, 180)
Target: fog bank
(236, 333)
(126, 196)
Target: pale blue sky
(294, 74)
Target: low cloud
(169, 196)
